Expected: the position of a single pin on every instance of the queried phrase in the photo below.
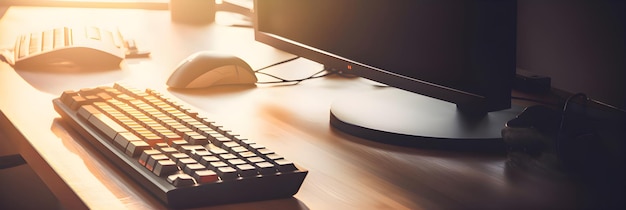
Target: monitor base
(399, 117)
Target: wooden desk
(345, 172)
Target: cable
(563, 119)
(296, 81)
(276, 64)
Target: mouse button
(220, 75)
(186, 71)
(246, 75)
(225, 71)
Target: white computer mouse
(209, 68)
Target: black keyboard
(182, 158)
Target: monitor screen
(462, 52)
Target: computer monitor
(450, 64)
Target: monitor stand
(395, 116)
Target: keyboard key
(24, 45)
(285, 165)
(134, 148)
(105, 124)
(143, 159)
(266, 168)
(246, 170)
(198, 154)
(265, 151)
(68, 36)
(59, 38)
(168, 150)
(77, 101)
(236, 162)
(274, 157)
(226, 173)
(47, 40)
(122, 139)
(177, 144)
(176, 157)
(205, 176)
(92, 32)
(191, 168)
(180, 180)
(196, 139)
(107, 36)
(165, 167)
(153, 159)
(239, 149)
(255, 159)
(35, 43)
(227, 156)
(218, 151)
(247, 154)
(205, 160)
(88, 110)
(182, 163)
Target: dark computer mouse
(209, 68)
